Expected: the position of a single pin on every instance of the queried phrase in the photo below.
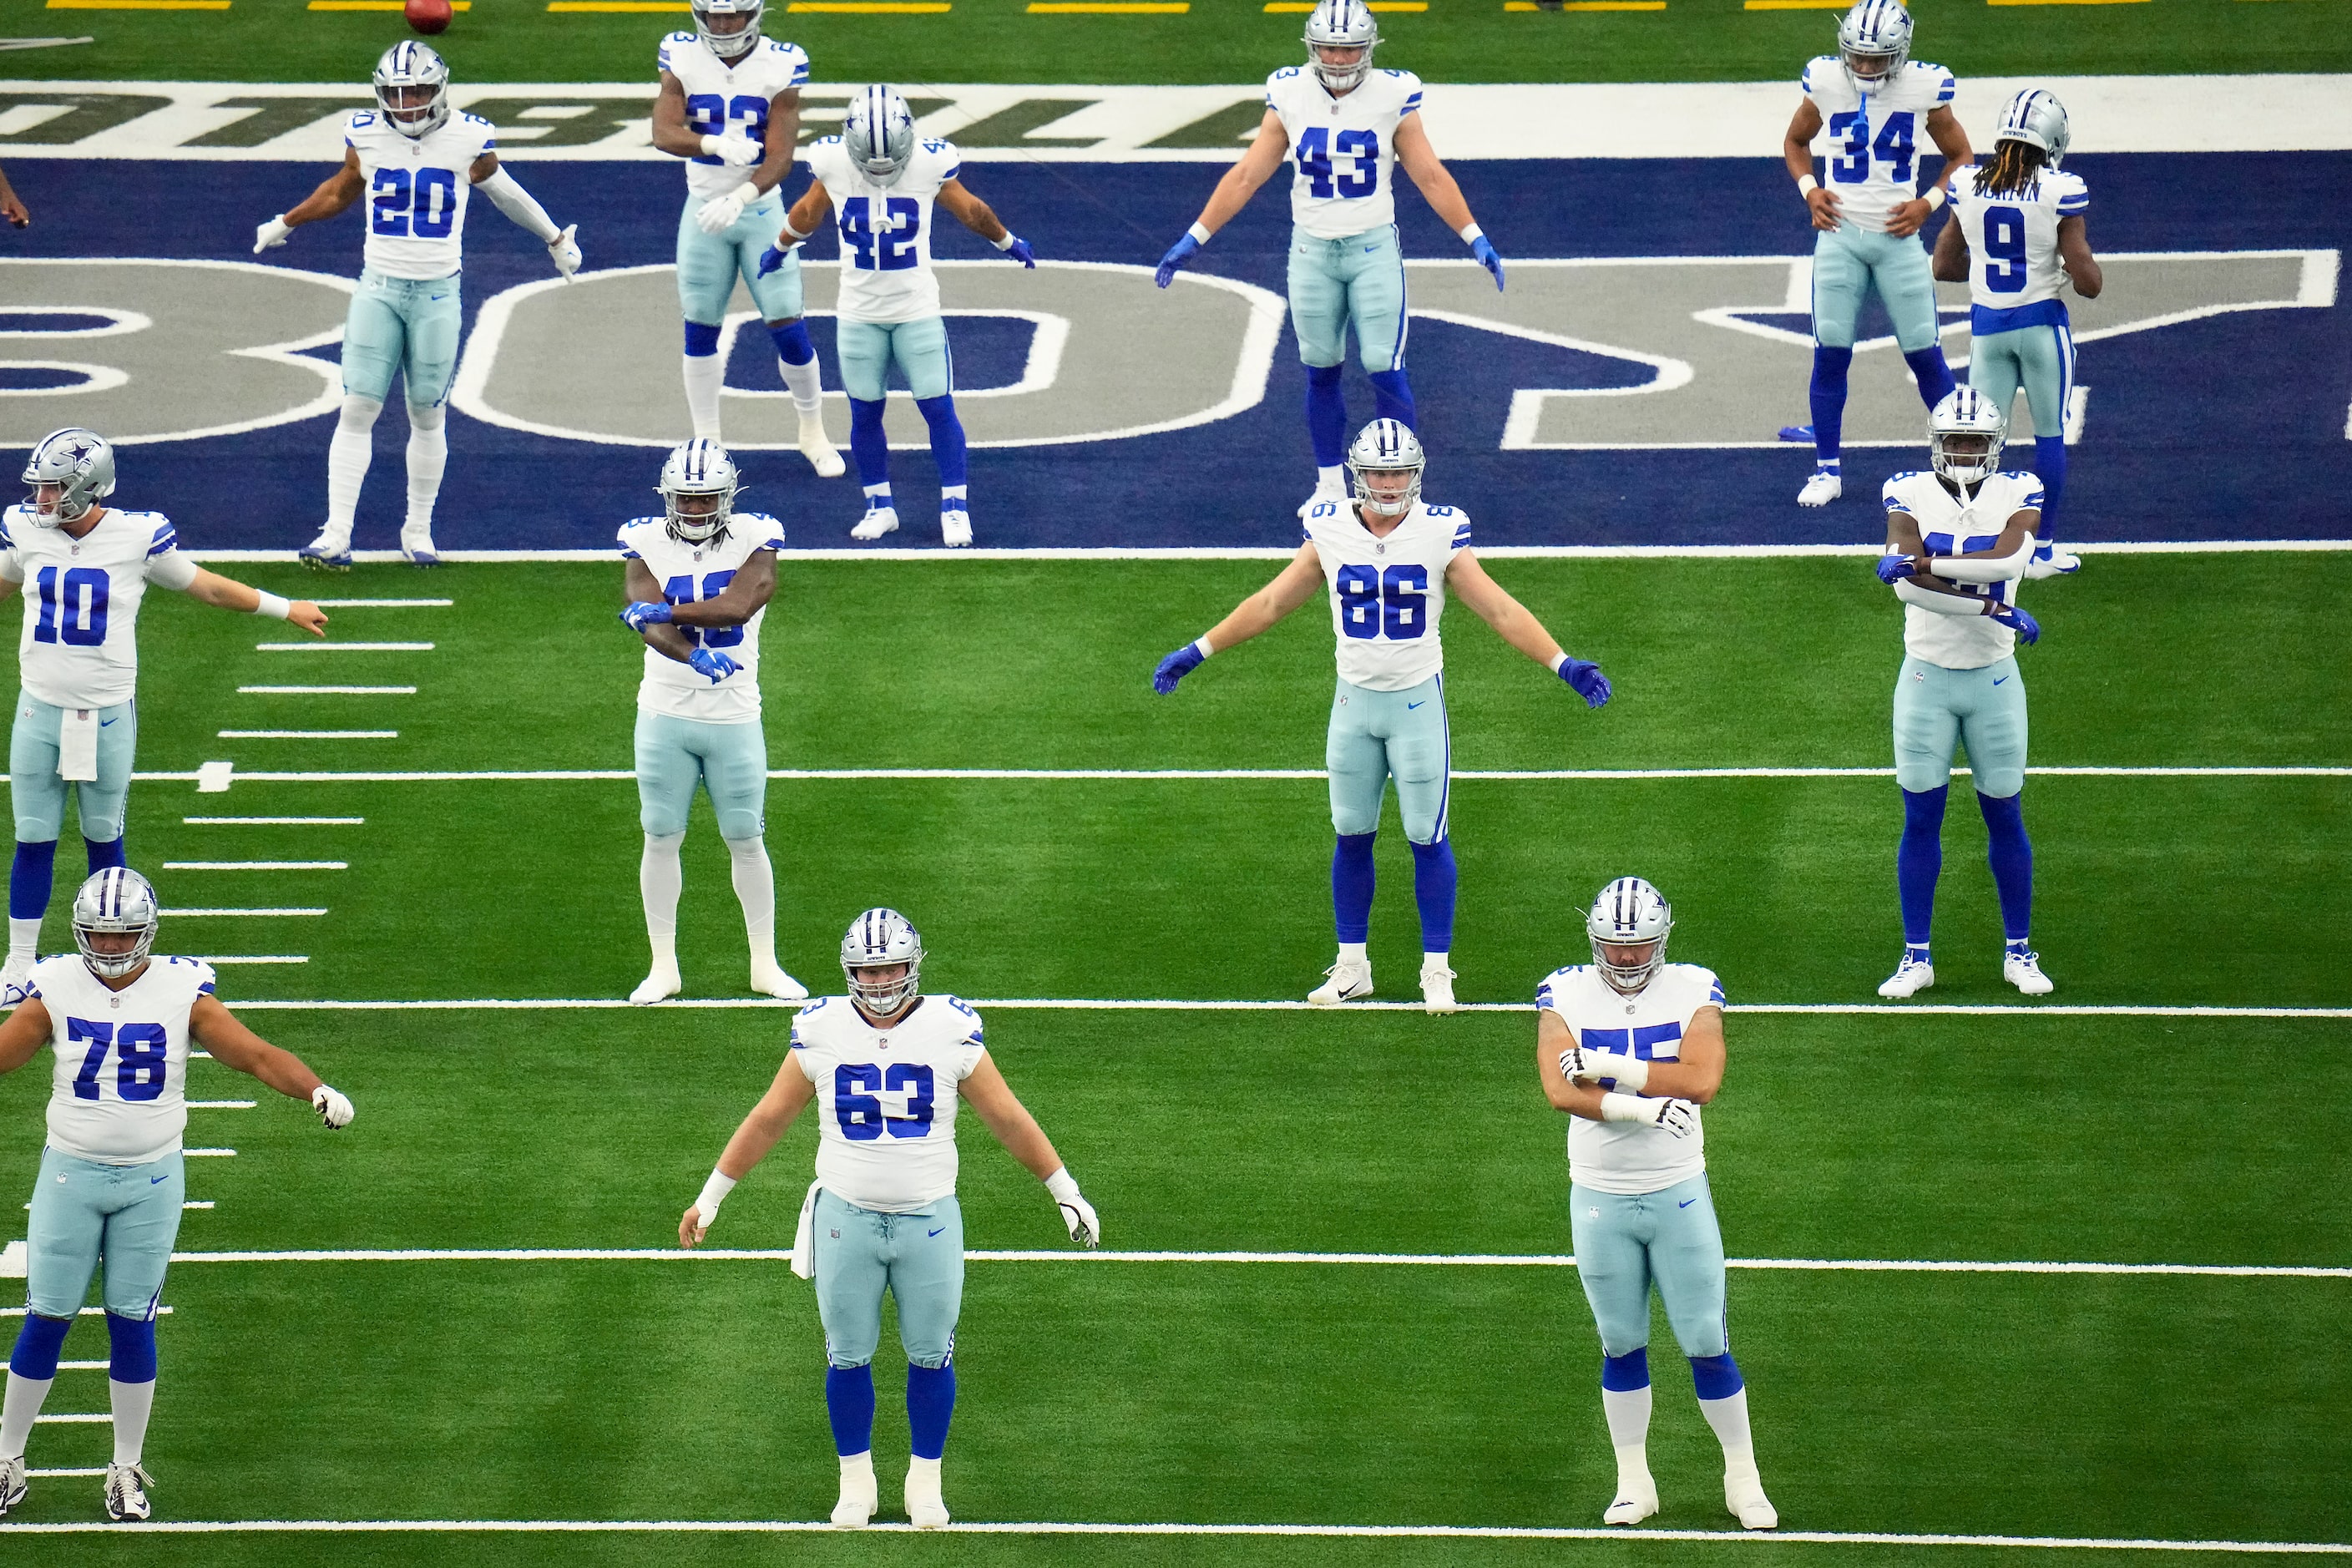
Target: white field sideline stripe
(1259, 552)
(342, 647)
(275, 821)
(252, 958)
(167, 914)
(73, 1420)
(307, 734)
(1594, 775)
(86, 1312)
(328, 690)
(256, 864)
(384, 604)
(220, 1105)
(1126, 1004)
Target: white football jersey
(2014, 244)
(1387, 593)
(1871, 162)
(79, 647)
(418, 187)
(1342, 149)
(1626, 1157)
(1961, 642)
(885, 1098)
(120, 1093)
(687, 573)
(720, 94)
(886, 230)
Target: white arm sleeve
(1985, 568)
(1910, 593)
(518, 204)
(171, 570)
(11, 569)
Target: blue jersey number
(1317, 148)
(1894, 147)
(72, 606)
(1373, 603)
(887, 245)
(143, 1057)
(857, 1109)
(2004, 244)
(680, 591)
(707, 113)
(425, 207)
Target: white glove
(733, 146)
(1076, 1213)
(564, 250)
(270, 235)
(1677, 1118)
(720, 214)
(1631, 1072)
(332, 1108)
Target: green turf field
(2198, 1406)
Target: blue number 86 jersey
(885, 1098)
(1387, 592)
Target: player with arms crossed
(1958, 540)
(1387, 559)
(881, 183)
(699, 579)
(112, 1184)
(415, 162)
(886, 1067)
(2018, 237)
(730, 105)
(1630, 1048)
(1346, 124)
(84, 569)
(1875, 100)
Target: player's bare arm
(229, 594)
(753, 586)
(1949, 260)
(212, 1026)
(670, 133)
(1420, 161)
(1553, 1036)
(10, 207)
(23, 1034)
(782, 142)
(2083, 270)
(971, 212)
(1797, 151)
(789, 1094)
(1262, 611)
(1492, 602)
(1241, 181)
(807, 215)
(1952, 140)
(1001, 1112)
(336, 193)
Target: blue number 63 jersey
(885, 1098)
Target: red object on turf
(428, 16)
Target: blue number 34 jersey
(885, 1098)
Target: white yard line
(212, 778)
(216, 914)
(256, 864)
(198, 1204)
(84, 1365)
(95, 1470)
(73, 1420)
(323, 647)
(85, 1312)
(274, 821)
(209, 1153)
(327, 690)
(384, 604)
(307, 734)
(1123, 1005)
(221, 1104)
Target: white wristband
(1807, 184)
(1617, 1106)
(1471, 233)
(1201, 646)
(1006, 242)
(1561, 663)
(747, 193)
(273, 606)
(1200, 233)
(1935, 197)
(714, 1193)
(796, 234)
(710, 145)
(1063, 1185)
(1631, 1073)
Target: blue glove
(1019, 250)
(2028, 629)
(1892, 569)
(1181, 252)
(1586, 678)
(1176, 666)
(1483, 249)
(717, 665)
(770, 259)
(641, 615)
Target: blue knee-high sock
(868, 444)
(1624, 1373)
(133, 1347)
(2050, 468)
(2011, 855)
(1326, 415)
(701, 340)
(1934, 376)
(37, 1344)
(947, 438)
(1392, 397)
(1919, 860)
(1433, 881)
(849, 1402)
(1715, 1376)
(1828, 399)
(793, 345)
(1351, 886)
(31, 880)
(930, 1401)
(102, 854)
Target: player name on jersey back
(720, 96)
(886, 1098)
(2015, 276)
(79, 646)
(1871, 161)
(120, 1092)
(1627, 1156)
(1342, 149)
(690, 574)
(1948, 527)
(1388, 592)
(886, 230)
(417, 188)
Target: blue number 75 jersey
(885, 1098)
(1387, 592)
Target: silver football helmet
(1874, 43)
(878, 132)
(1386, 447)
(114, 901)
(700, 467)
(1968, 418)
(411, 64)
(2036, 118)
(728, 45)
(1629, 913)
(81, 464)
(1340, 24)
(882, 937)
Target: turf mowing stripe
(327, 690)
(218, 914)
(274, 821)
(342, 647)
(216, 959)
(870, 7)
(1507, 776)
(220, 1104)
(85, 1312)
(384, 604)
(376, 6)
(1166, 1004)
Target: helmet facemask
(412, 90)
(1965, 438)
(1388, 500)
(1629, 913)
(699, 526)
(111, 903)
(882, 939)
(729, 45)
(1342, 27)
(700, 469)
(1873, 44)
(878, 134)
(80, 464)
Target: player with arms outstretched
(880, 182)
(1386, 559)
(730, 105)
(112, 1184)
(1345, 125)
(415, 161)
(886, 1067)
(2018, 238)
(1629, 1048)
(1958, 542)
(1877, 104)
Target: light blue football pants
(917, 1258)
(1337, 283)
(2040, 359)
(920, 348)
(1982, 708)
(37, 795)
(709, 264)
(731, 761)
(405, 324)
(1623, 1244)
(1848, 262)
(82, 1212)
(1377, 735)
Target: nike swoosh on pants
(1411, 706)
(1685, 1203)
(937, 1232)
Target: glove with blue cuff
(1892, 569)
(640, 615)
(1586, 678)
(2028, 629)
(1483, 249)
(1181, 252)
(718, 667)
(1179, 665)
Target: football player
(730, 105)
(1629, 1048)
(2017, 238)
(699, 579)
(1958, 540)
(1387, 558)
(112, 1185)
(882, 1213)
(1876, 103)
(1345, 124)
(881, 183)
(85, 569)
(415, 161)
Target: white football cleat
(13, 1484)
(14, 977)
(955, 529)
(1910, 977)
(769, 978)
(2023, 970)
(2049, 560)
(925, 1510)
(126, 1494)
(858, 1501)
(818, 448)
(662, 982)
(1436, 988)
(1821, 490)
(330, 552)
(416, 543)
(1637, 1500)
(877, 521)
(1348, 981)
(1743, 1494)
